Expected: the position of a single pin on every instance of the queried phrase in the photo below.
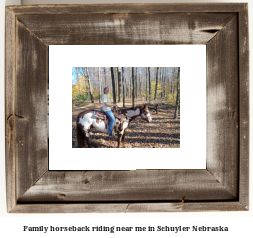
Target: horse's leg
(87, 136)
(79, 136)
(118, 140)
(123, 139)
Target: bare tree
(173, 85)
(149, 96)
(105, 76)
(164, 79)
(177, 102)
(140, 82)
(113, 85)
(133, 86)
(130, 84)
(119, 83)
(156, 83)
(123, 82)
(89, 85)
(115, 70)
(146, 84)
(136, 85)
(100, 85)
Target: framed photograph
(158, 133)
(46, 45)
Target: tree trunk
(140, 85)
(173, 86)
(119, 83)
(164, 81)
(126, 85)
(115, 72)
(99, 80)
(162, 77)
(146, 84)
(136, 86)
(123, 82)
(89, 85)
(149, 84)
(178, 89)
(105, 77)
(130, 85)
(156, 83)
(163, 87)
(113, 86)
(133, 86)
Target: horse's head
(145, 114)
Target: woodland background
(158, 87)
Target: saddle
(102, 116)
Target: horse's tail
(79, 136)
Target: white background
(192, 151)
(240, 223)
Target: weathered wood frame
(223, 186)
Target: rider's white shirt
(105, 98)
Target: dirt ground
(162, 132)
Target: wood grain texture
(223, 186)
(128, 207)
(140, 185)
(155, 8)
(9, 109)
(186, 207)
(125, 29)
(244, 106)
(222, 107)
(30, 108)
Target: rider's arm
(106, 102)
(109, 105)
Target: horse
(87, 120)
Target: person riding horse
(106, 104)
(86, 120)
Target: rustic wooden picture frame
(223, 186)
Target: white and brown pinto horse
(87, 120)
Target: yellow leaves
(80, 91)
(159, 88)
(171, 99)
(95, 93)
(82, 82)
